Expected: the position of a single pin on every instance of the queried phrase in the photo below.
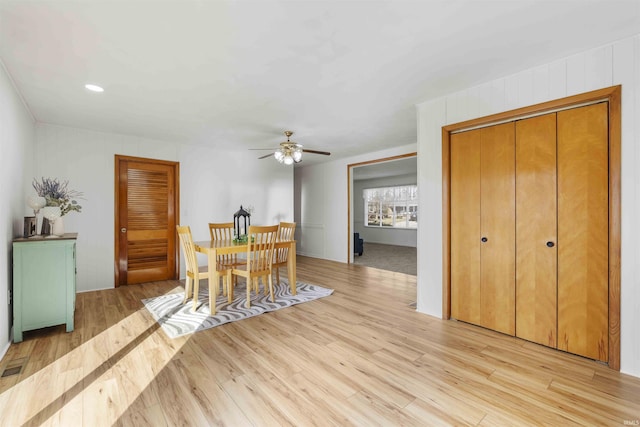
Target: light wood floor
(362, 356)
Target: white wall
(17, 139)
(384, 235)
(213, 185)
(617, 63)
(321, 205)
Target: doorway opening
(383, 213)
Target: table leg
(291, 268)
(214, 282)
(229, 287)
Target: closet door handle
(484, 239)
(550, 244)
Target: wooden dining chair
(194, 273)
(224, 231)
(259, 260)
(286, 232)
(221, 230)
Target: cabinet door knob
(550, 244)
(484, 239)
(123, 230)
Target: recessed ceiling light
(94, 88)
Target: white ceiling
(343, 75)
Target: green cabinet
(44, 283)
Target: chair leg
(277, 275)
(270, 287)
(249, 286)
(224, 289)
(225, 285)
(187, 289)
(213, 294)
(230, 285)
(196, 290)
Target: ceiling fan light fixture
(297, 155)
(289, 152)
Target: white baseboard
(6, 348)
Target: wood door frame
(613, 96)
(350, 186)
(176, 207)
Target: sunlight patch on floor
(103, 375)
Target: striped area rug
(178, 319)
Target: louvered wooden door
(146, 218)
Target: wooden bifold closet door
(465, 226)
(583, 231)
(536, 230)
(483, 227)
(529, 229)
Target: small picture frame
(30, 226)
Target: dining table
(215, 248)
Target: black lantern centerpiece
(239, 229)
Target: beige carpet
(402, 259)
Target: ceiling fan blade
(271, 149)
(265, 156)
(326, 153)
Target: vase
(58, 227)
(52, 214)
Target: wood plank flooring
(360, 357)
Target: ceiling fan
(290, 152)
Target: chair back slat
(223, 231)
(260, 244)
(188, 248)
(286, 232)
